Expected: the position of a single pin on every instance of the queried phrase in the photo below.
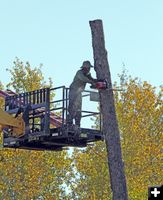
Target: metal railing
(63, 103)
(45, 110)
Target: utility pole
(110, 124)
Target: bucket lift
(43, 121)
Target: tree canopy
(139, 110)
(25, 78)
(83, 173)
(31, 174)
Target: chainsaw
(100, 84)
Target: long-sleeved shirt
(80, 81)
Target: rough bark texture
(110, 124)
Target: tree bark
(110, 124)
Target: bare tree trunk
(110, 124)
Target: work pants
(74, 108)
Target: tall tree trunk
(110, 124)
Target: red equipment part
(101, 84)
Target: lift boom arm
(8, 121)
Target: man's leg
(78, 118)
(71, 107)
(78, 111)
(69, 119)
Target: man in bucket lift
(82, 77)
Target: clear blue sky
(57, 34)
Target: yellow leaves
(24, 78)
(31, 174)
(92, 177)
(140, 128)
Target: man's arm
(91, 78)
(86, 78)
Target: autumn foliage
(139, 110)
(31, 174)
(83, 173)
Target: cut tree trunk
(110, 124)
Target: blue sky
(56, 33)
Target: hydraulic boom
(16, 125)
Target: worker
(82, 77)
